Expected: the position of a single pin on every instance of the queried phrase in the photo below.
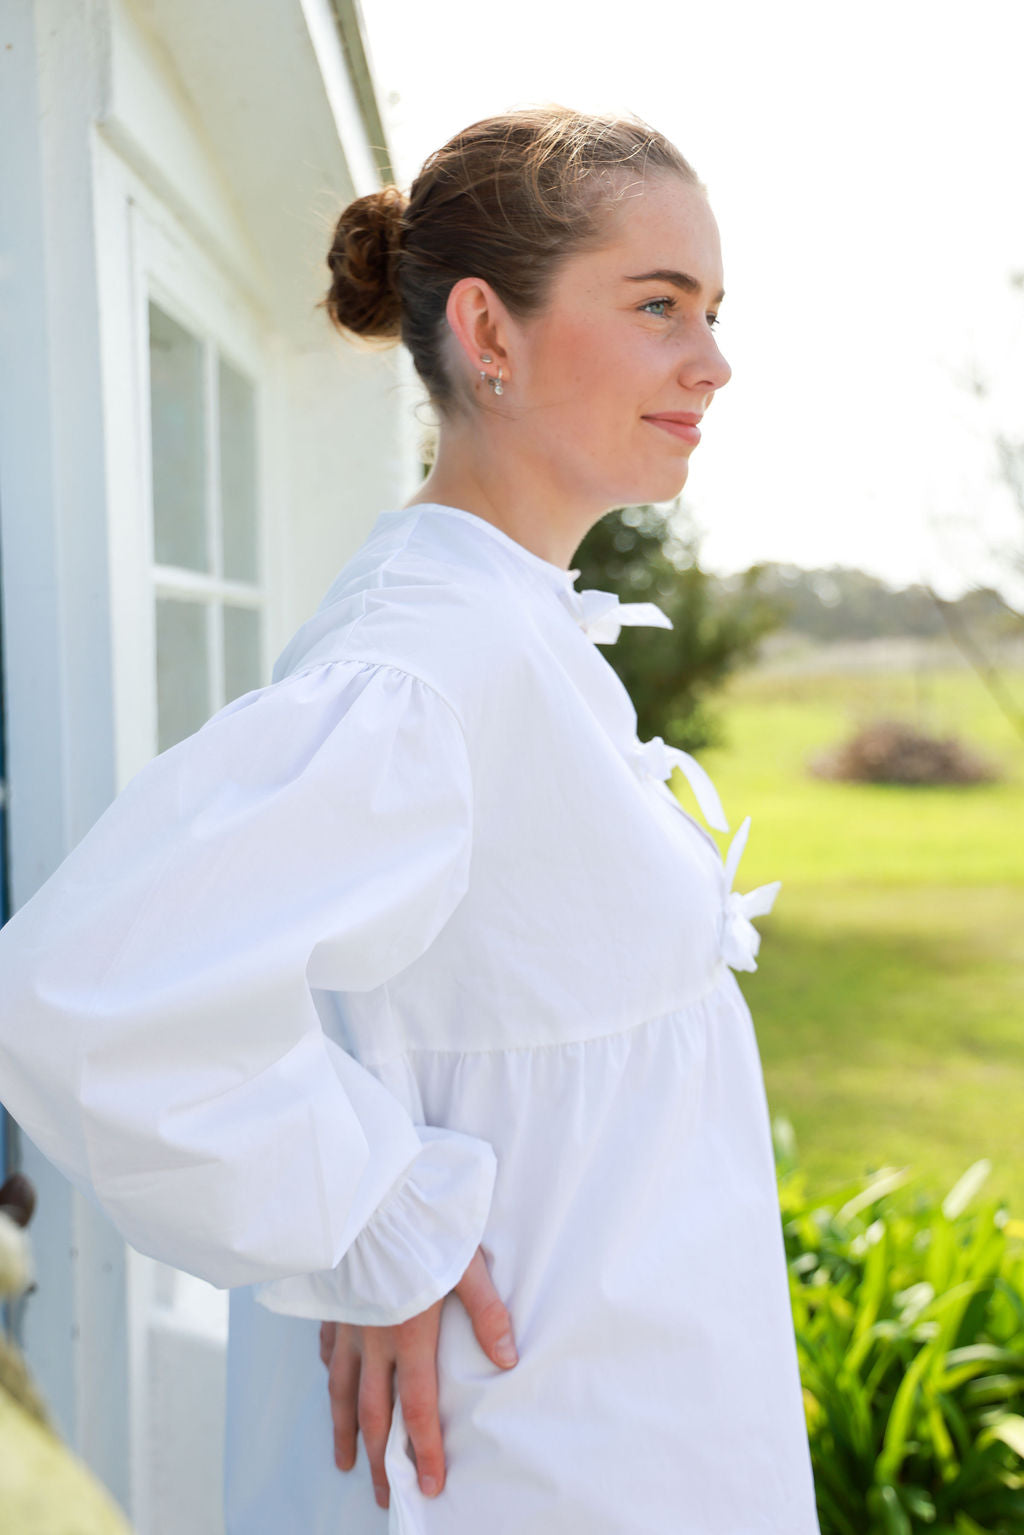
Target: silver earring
(495, 383)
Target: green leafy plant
(909, 1320)
(643, 554)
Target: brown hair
(508, 200)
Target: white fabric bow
(601, 615)
(740, 939)
(655, 757)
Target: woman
(400, 998)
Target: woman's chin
(663, 484)
(648, 486)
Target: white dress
(410, 951)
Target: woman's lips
(681, 429)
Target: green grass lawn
(889, 998)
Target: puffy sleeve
(159, 1040)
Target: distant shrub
(892, 751)
(909, 1320)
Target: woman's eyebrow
(677, 279)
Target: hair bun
(363, 258)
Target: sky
(865, 167)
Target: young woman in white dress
(400, 999)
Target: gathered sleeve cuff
(415, 1247)
(159, 1039)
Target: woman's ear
(479, 324)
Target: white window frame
(211, 587)
(160, 258)
(167, 277)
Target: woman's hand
(361, 1361)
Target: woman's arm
(158, 1037)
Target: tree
(1009, 453)
(646, 555)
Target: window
(208, 580)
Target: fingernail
(381, 1494)
(429, 1486)
(505, 1349)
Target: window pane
(238, 475)
(176, 413)
(182, 670)
(243, 662)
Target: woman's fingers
(416, 1382)
(375, 1404)
(363, 1361)
(487, 1312)
(343, 1386)
(328, 1333)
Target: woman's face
(617, 348)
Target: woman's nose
(706, 368)
(717, 370)
(723, 370)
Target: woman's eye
(670, 303)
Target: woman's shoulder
(441, 603)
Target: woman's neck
(521, 502)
